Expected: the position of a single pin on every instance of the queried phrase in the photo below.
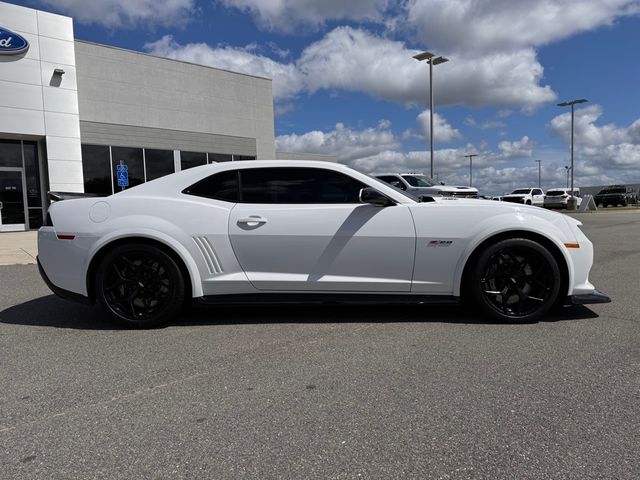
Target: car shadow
(50, 311)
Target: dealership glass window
(158, 162)
(297, 185)
(10, 153)
(35, 218)
(192, 159)
(243, 157)
(220, 157)
(96, 169)
(132, 158)
(32, 174)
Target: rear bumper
(582, 299)
(61, 292)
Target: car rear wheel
(515, 280)
(528, 202)
(140, 286)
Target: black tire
(515, 280)
(528, 202)
(140, 286)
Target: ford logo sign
(11, 43)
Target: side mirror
(374, 197)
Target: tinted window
(418, 181)
(158, 162)
(298, 185)
(522, 191)
(192, 159)
(537, 192)
(221, 186)
(244, 157)
(555, 193)
(96, 169)
(132, 158)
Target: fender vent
(209, 254)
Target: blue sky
(345, 83)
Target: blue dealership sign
(12, 43)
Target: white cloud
(470, 121)
(588, 134)
(287, 79)
(287, 15)
(356, 60)
(603, 153)
(344, 142)
(503, 25)
(126, 13)
(516, 149)
(443, 132)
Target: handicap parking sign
(122, 168)
(123, 178)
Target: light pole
(539, 169)
(573, 202)
(431, 60)
(470, 157)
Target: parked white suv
(420, 186)
(527, 196)
(558, 197)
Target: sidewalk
(18, 248)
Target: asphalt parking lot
(326, 392)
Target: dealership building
(76, 116)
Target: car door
(537, 197)
(304, 229)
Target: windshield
(614, 190)
(556, 192)
(418, 181)
(408, 195)
(521, 191)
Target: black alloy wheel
(516, 280)
(140, 285)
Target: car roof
(178, 181)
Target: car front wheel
(515, 280)
(140, 285)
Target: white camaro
(298, 231)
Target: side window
(393, 181)
(537, 192)
(298, 185)
(221, 186)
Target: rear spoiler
(58, 196)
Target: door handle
(252, 221)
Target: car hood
(489, 208)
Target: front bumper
(61, 292)
(582, 299)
